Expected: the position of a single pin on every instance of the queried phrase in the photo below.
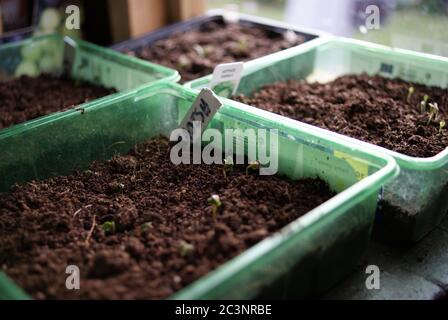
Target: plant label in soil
(69, 56)
(231, 14)
(291, 36)
(203, 110)
(226, 78)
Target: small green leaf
(215, 201)
(228, 165)
(253, 166)
(146, 226)
(109, 227)
(433, 112)
(411, 91)
(185, 248)
(442, 125)
(199, 50)
(87, 174)
(423, 103)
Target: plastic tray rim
(406, 161)
(219, 13)
(170, 75)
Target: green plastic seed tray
(305, 258)
(421, 190)
(91, 63)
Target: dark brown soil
(370, 108)
(26, 98)
(196, 53)
(165, 234)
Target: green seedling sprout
(208, 49)
(253, 165)
(88, 173)
(216, 203)
(442, 125)
(183, 62)
(411, 91)
(116, 187)
(423, 103)
(242, 45)
(108, 227)
(228, 166)
(199, 50)
(146, 226)
(433, 112)
(185, 248)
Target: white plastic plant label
(291, 37)
(202, 111)
(226, 78)
(69, 55)
(231, 14)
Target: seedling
(228, 166)
(242, 45)
(146, 226)
(442, 125)
(199, 50)
(253, 166)
(411, 91)
(116, 187)
(108, 226)
(185, 248)
(423, 103)
(87, 174)
(433, 112)
(184, 62)
(208, 50)
(216, 203)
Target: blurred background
(420, 25)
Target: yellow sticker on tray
(361, 168)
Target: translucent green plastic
(421, 190)
(92, 63)
(305, 258)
